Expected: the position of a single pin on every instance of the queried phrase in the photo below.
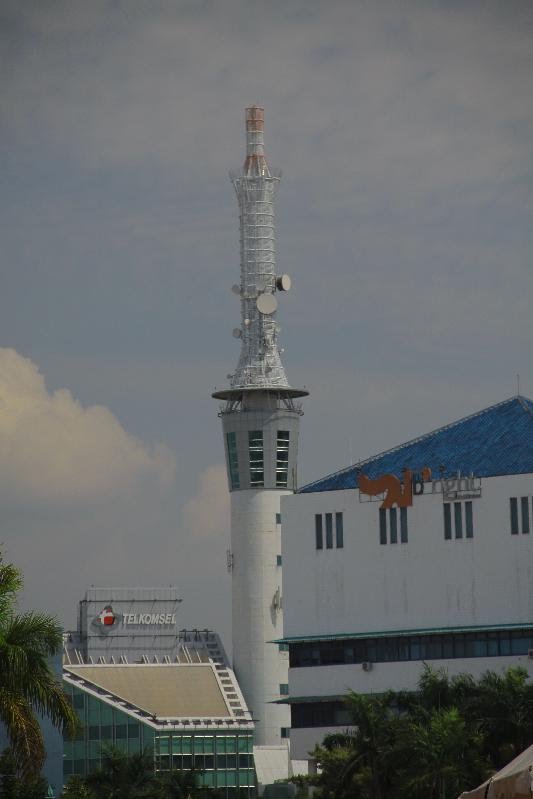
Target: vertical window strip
(393, 516)
(524, 503)
(458, 518)
(447, 521)
(339, 530)
(403, 525)
(233, 460)
(469, 521)
(255, 448)
(282, 458)
(382, 526)
(319, 541)
(329, 531)
(513, 507)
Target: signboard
(390, 490)
(107, 619)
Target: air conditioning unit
(530, 653)
(367, 666)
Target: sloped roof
(164, 691)
(492, 442)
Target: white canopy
(513, 781)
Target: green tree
(77, 788)
(123, 776)
(13, 786)
(27, 683)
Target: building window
(388, 526)
(233, 460)
(255, 447)
(396, 648)
(325, 522)
(339, 530)
(285, 731)
(278, 560)
(282, 458)
(284, 689)
(461, 522)
(319, 541)
(520, 520)
(278, 518)
(283, 647)
(329, 531)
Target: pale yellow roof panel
(165, 691)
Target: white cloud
(207, 513)
(53, 450)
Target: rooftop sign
(392, 491)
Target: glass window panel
(134, 745)
(278, 518)
(133, 730)
(414, 647)
(470, 646)
(94, 732)
(187, 761)
(198, 744)
(164, 762)
(518, 644)
(231, 761)
(177, 762)
(469, 522)
(243, 743)
(164, 745)
(186, 745)
(209, 744)
(382, 526)
(329, 531)
(221, 761)
(209, 761)
(220, 744)
(255, 448)
(524, 503)
(458, 519)
(67, 767)
(318, 531)
(447, 646)
(121, 731)
(278, 560)
(513, 506)
(339, 530)
(244, 761)
(393, 516)
(492, 644)
(231, 778)
(480, 645)
(78, 701)
(78, 766)
(233, 460)
(106, 732)
(505, 643)
(403, 525)
(176, 744)
(447, 521)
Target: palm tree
(123, 776)
(27, 683)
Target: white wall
(428, 582)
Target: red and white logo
(107, 618)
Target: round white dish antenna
(237, 332)
(236, 289)
(246, 322)
(283, 283)
(266, 303)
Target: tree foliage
(448, 736)
(27, 683)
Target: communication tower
(260, 420)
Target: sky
(404, 131)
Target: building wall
(428, 583)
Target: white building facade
(443, 576)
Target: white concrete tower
(260, 422)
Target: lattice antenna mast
(259, 363)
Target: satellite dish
(246, 322)
(236, 289)
(283, 283)
(237, 332)
(266, 303)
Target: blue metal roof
(492, 442)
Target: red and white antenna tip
(255, 163)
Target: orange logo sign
(396, 492)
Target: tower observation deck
(260, 421)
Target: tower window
(324, 524)
(255, 447)
(233, 460)
(282, 458)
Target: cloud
(55, 451)
(206, 514)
